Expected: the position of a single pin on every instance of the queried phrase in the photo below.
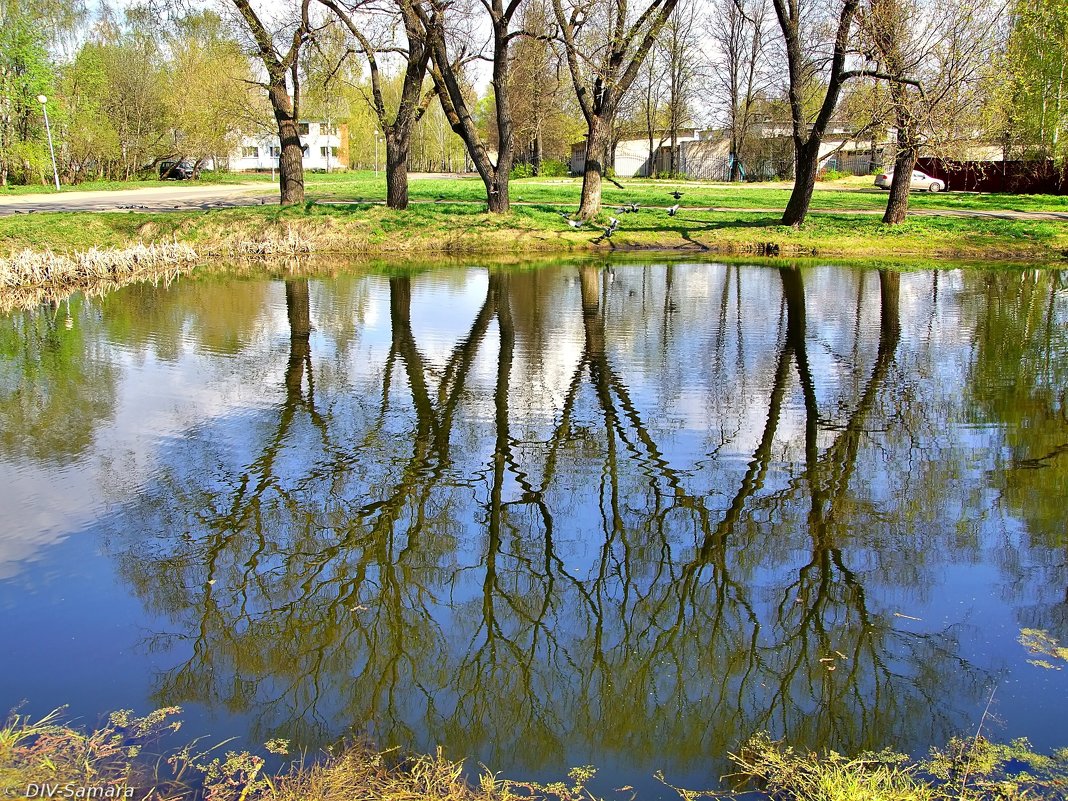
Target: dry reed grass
(28, 278)
(29, 268)
(361, 774)
(275, 243)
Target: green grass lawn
(360, 186)
(564, 192)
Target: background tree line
(520, 82)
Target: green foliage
(25, 73)
(554, 168)
(1032, 83)
(785, 772)
(47, 750)
(550, 168)
(209, 69)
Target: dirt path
(180, 197)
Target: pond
(619, 514)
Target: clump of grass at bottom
(113, 761)
(968, 769)
(48, 751)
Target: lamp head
(42, 99)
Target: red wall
(1017, 177)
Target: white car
(920, 180)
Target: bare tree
(647, 100)
(740, 70)
(605, 44)
(680, 45)
(933, 57)
(803, 68)
(282, 72)
(396, 128)
(447, 72)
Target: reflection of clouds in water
(314, 584)
(155, 401)
(51, 504)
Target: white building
(325, 145)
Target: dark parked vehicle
(176, 170)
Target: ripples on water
(619, 515)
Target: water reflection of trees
(56, 382)
(460, 560)
(1018, 383)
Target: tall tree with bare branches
(803, 69)
(282, 68)
(740, 71)
(396, 127)
(933, 56)
(436, 18)
(606, 44)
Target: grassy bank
(464, 228)
(120, 759)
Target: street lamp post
(376, 152)
(44, 107)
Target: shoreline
(64, 252)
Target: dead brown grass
(361, 774)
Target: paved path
(159, 198)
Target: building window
(324, 150)
(327, 129)
(250, 152)
(276, 152)
(303, 128)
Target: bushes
(550, 168)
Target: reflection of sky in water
(192, 413)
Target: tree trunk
(897, 207)
(535, 162)
(598, 143)
(806, 165)
(298, 310)
(497, 192)
(397, 145)
(291, 163)
(889, 317)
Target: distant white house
(326, 147)
(705, 153)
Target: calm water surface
(619, 515)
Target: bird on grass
(673, 210)
(575, 223)
(609, 229)
(676, 194)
